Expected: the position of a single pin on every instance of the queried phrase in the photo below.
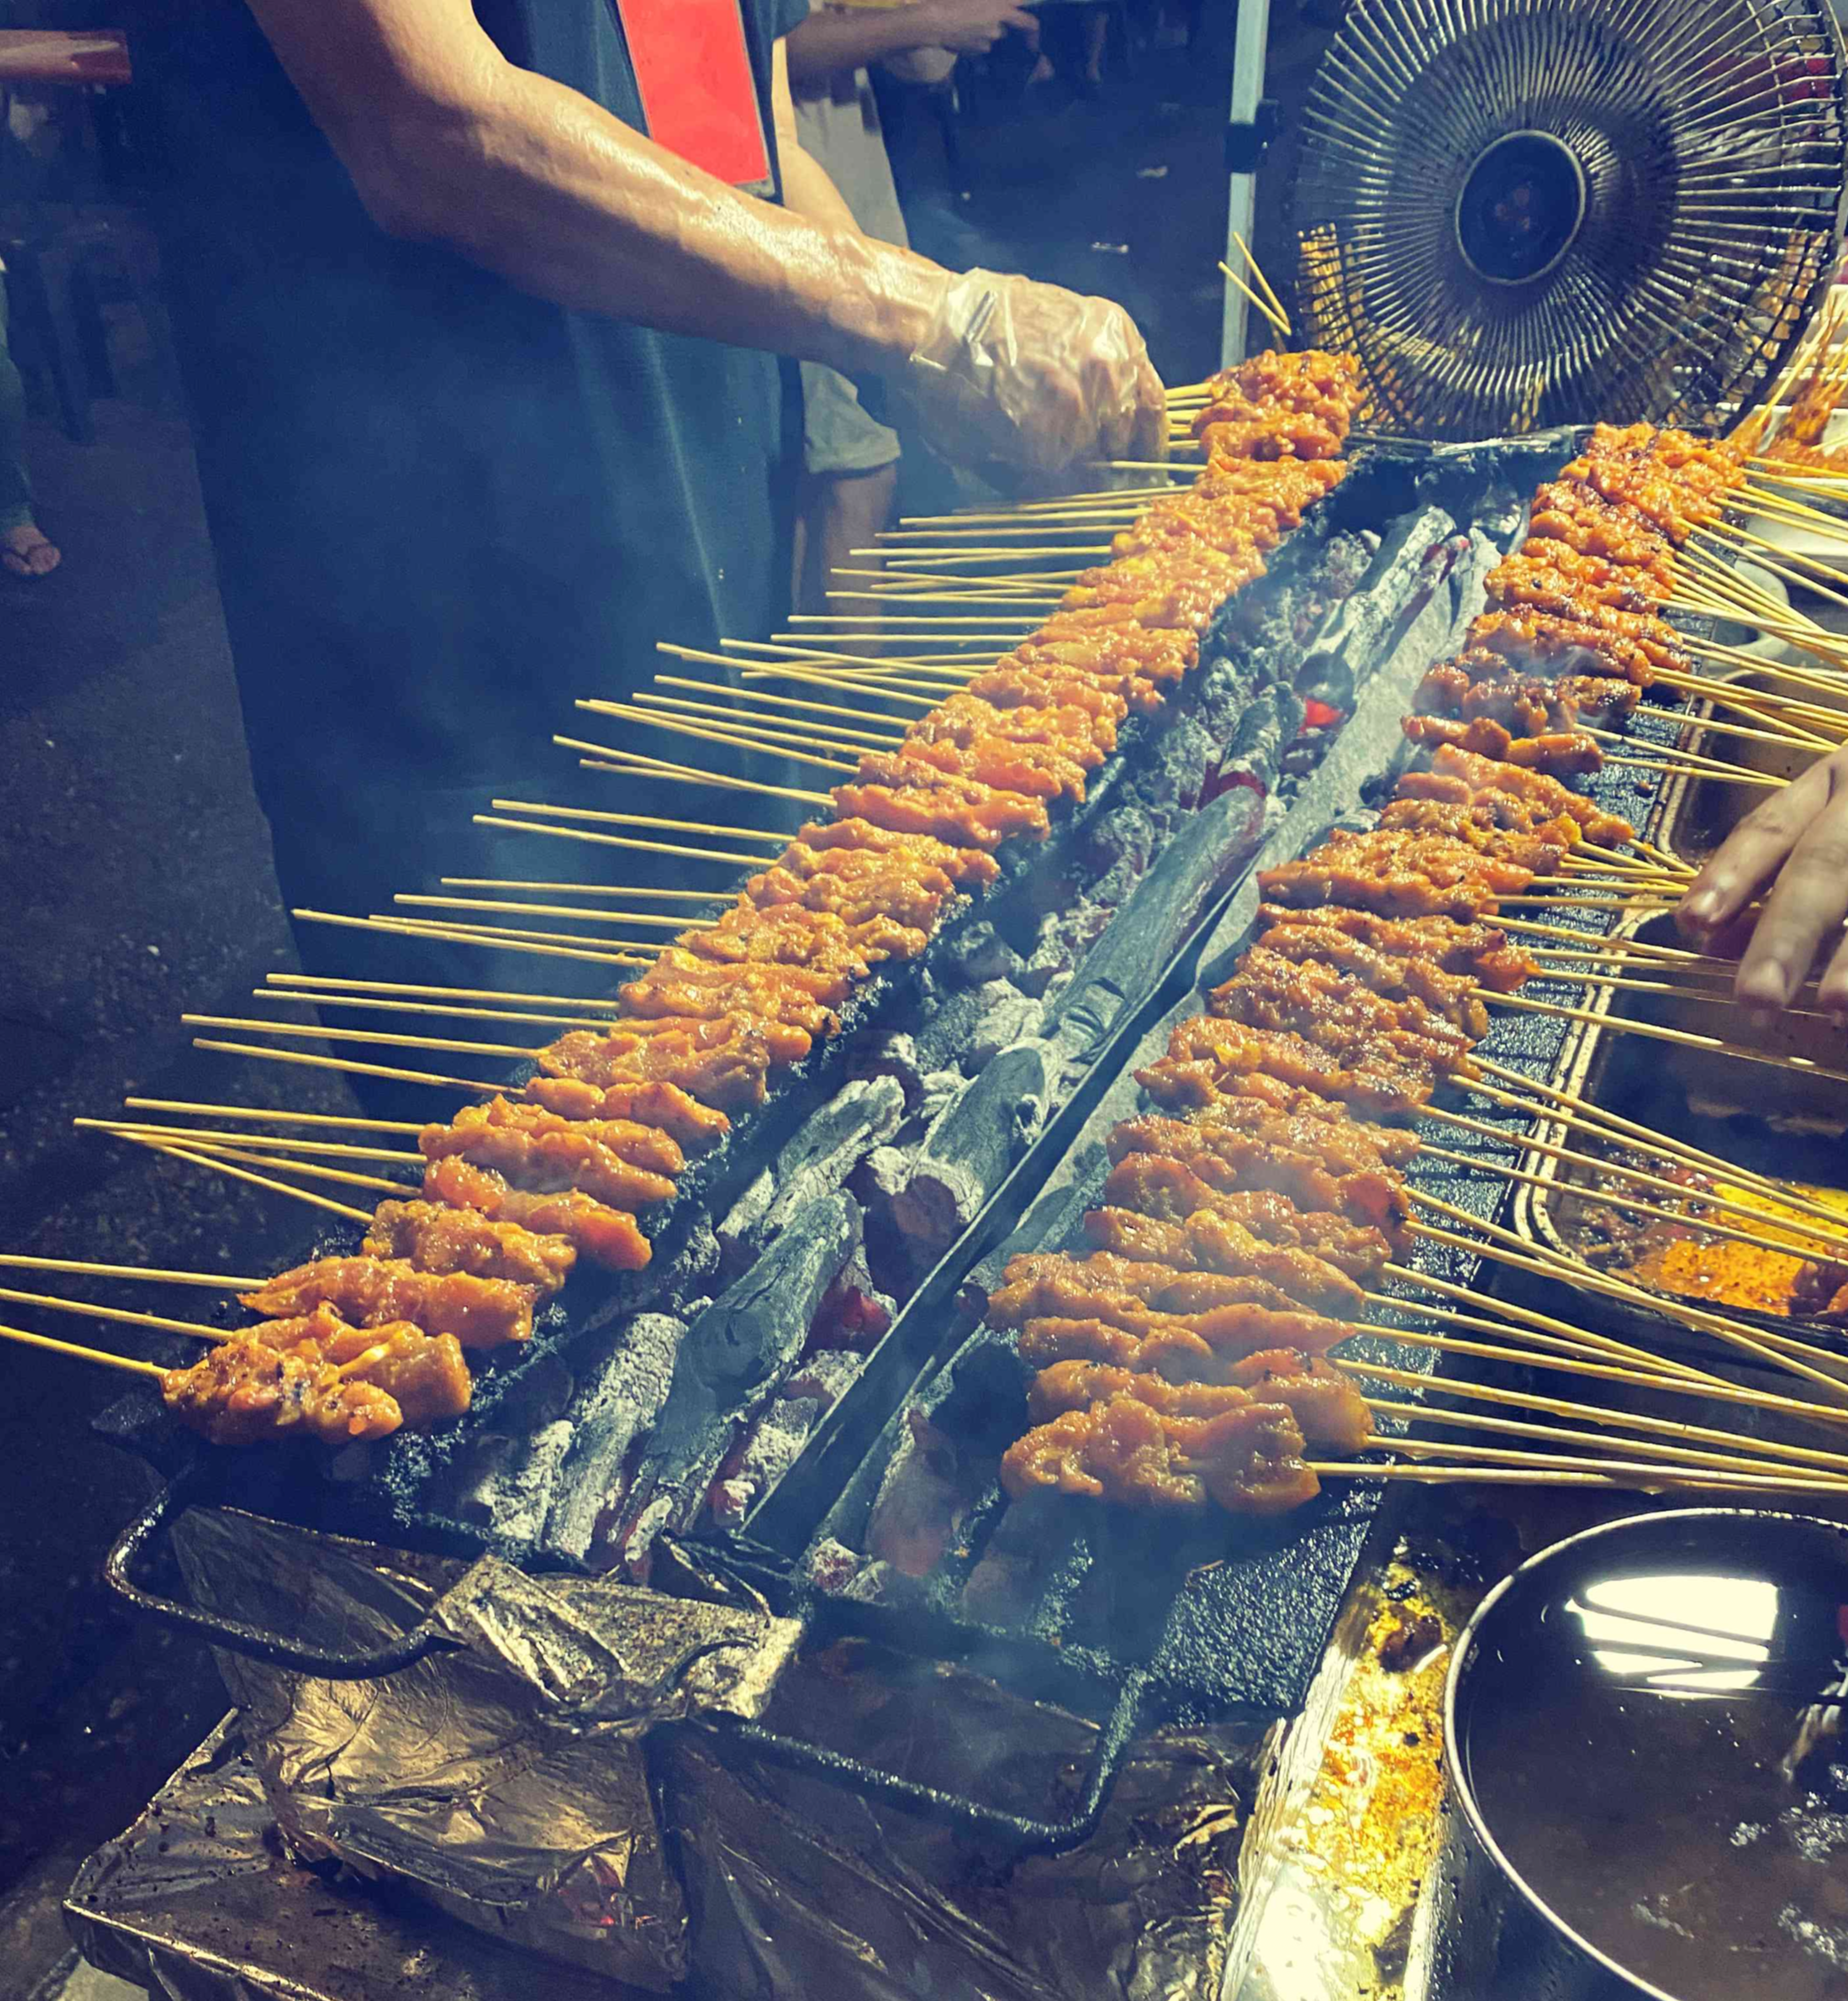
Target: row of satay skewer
(519, 1189)
(1185, 1359)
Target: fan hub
(1523, 204)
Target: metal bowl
(1610, 1721)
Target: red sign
(699, 96)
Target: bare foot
(25, 552)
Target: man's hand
(1797, 841)
(1033, 380)
(970, 27)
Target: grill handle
(236, 1636)
(1019, 1834)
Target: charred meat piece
(970, 815)
(1485, 775)
(1069, 728)
(1246, 1461)
(692, 1127)
(1541, 849)
(641, 1145)
(1037, 770)
(433, 1238)
(1166, 1190)
(724, 1064)
(607, 1237)
(244, 1392)
(480, 1313)
(1562, 753)
(1382, 1088)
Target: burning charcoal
(1009, 1015)
(920, 1502)
(893, 1054)
(832, 1565)
(1252, 757)
(856, 1313)
(948, 1030)
(1353, 642)
(1346, 559)
(980, 954)
(739, 1350)
(817, 1161)
(1223, 696)
(1175, 777)
(773, 1445)
(612, 1410)
(970, 1148)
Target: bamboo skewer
(628, 712)
(782, 701)
(314, 983)
(426, 1009)
(213, 1152)
(673, 924)
(84, 1267)
(691, 774)
(349, 1066)
(204, 1135)
(121, 1316)
(412, 927)
(1686, 1038)
(267, 1182)
(777, 730)
(603, 817)
(256, 1025)
(733, 863)
(1279, 323)
(1492, 1463)
(275, 1115)
(130, 1364)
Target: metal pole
(1248, 45)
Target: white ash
(1007, 1016)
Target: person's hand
(1032, 381)
(1797, 841)
(970, 27)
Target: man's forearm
(447, 142)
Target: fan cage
(1711, 140)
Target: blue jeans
(15, 488)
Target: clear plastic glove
(1028, 381)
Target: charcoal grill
(1197, 1611)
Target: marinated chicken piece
(244, 1392)
(1227, 1158)
(423, 1374)
(1328, 1409)
(641, 1145)
(1038, 770)
(548, 1162)
(1084, 737)
(1011, 684)
(1173, 1192)
(758, 994)
(1584, 579)
(1337, 1013)
(1179, 589)
(906, 903)
(1313, 1126)
(724, 1064)
(1571, 646)
(1246, 1461)
(368, 1293)
(1194, 1347)
(966, 867)
(692, 1127)
(1206, 1241)
(433, 1238)
(1541, 846)
(1587, 523)
(1103, 1287)
(607, 1237)
(770, 943)
(1394, 875)
(916, 798)
(1485, 775)
(1378, 1089)
(1453, 996)
(1561, 753)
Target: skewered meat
(544, 1161)
(1225, 1158)
(966, 867)
(1107, 1287)
(966, 718)
(1327, 1407)
(366, 1291)
(1312, 1125)
(1570, 753)
(1173, 1192)
(970, 815)
(1012, 683)
(1039, 770)
(692, 1127)
(1211, 1242)
(607, 1237)
(246, 1391)
(1247, 1460)
(1339, 1013)
(1230, 1048)
(1479, 950)
(1594, 526)
(1483, 775)
(1451, 995)
(1542, 847)
(437, 1239)
(641, 1145)
(724, 1064)
(1571, 646)
(789, 934)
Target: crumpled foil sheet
(506, 1781)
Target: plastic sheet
(505, 1780)
(1035, 379)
